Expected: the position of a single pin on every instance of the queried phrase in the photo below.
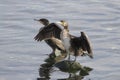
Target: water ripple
(21, 55)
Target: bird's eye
(62, 21)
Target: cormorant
(76, 45)
(47, 31)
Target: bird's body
(65, 39)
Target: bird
(76, 45)
(47, 31)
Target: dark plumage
(82, 43)
(47, 31)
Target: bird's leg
(76, 53)
(68, 55)
(75, 58)
(70, 75)
(70, 65)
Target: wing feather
(48, 31)
(82, 44)
(86, 44)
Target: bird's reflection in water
(75, 69)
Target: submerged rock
(68, 66)
(73, 67)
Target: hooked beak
(59, 22)
(36, 20)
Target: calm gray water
(21, 56)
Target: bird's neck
(46, 24)
(65, 33)
(66, 28)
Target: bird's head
(43, 21)
(64, 24)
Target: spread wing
(82, 43)
(48, 31)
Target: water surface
(21, 55)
